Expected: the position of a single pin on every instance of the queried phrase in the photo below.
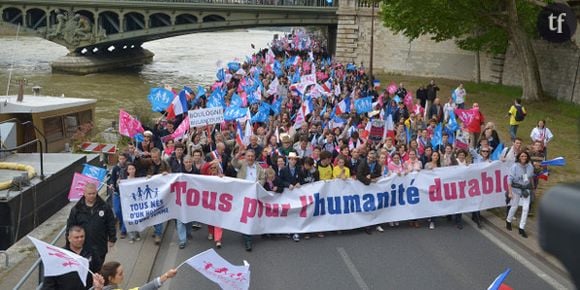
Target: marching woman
(112, 275)
(520, 184)
(542, 134)
(215, 233)
(131, 171)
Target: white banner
(245, 207)
(214, 267)
(307, 80)
(208, 116)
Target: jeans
(158, 229)
(183, 231)
(513, 131)
(118, 212)
(461, 106)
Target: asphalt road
(399, 258)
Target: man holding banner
(71, 280)
(93, 214)
(249, 170)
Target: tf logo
(557, 23)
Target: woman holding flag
(112, 275)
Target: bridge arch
(159, 20)
(36, 18)
(213, 18)
(87, 14)
(134, 21)
(12, 15)
(185, 18)
(109, 22)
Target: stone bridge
(99, 27)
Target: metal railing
(307, 3)
(38, 263)
(38, 143)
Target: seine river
(183, 60)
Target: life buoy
(15, 166)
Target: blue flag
(558, 161)
(277, 106)
(437, 136)
(451, 135)
(160, 99)
(139, 138)
(260, 116)
(323, 111)
(278, 69)
(265, 108)
(363, 105)
(236, 101)
(200, 92)
(496, 284)
(233, 113)
(220, 75)
(496, 154)
(350, 67)
(296, 76)
(452, 122)
(216, 99)
(95, 172)
(233, 66)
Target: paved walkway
(138, 258)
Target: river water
(183, 60)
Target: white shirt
(542, 135)
(460, 96)
(252, 173)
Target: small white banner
(214, 267)
(245, 206)
(58, 261)
(208, 116)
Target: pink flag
(408, 101)
(179, 132)
(471, 119)
(78, 185)
(392, 88)
(128, 125)
(58, 261)
(214, 267)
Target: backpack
(520, 115)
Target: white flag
(248, 132)
(217, 269)
(273, 87)
(58, 261)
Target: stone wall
(424, 57)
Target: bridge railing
(302, 3)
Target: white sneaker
(392, 224)
(210, 237)
(431, 225)
(380, 229)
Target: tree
(476, 25)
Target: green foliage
(474, 24)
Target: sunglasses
(484, 151)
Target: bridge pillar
(347, 31)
